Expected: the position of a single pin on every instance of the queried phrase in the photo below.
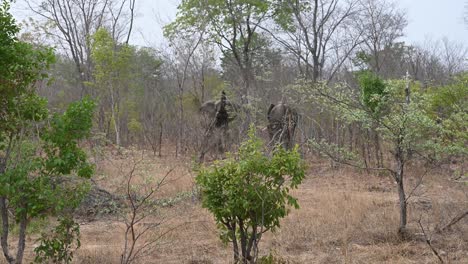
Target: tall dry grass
(346, 216)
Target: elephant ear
(269, 111)
(208, 108)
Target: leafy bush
(59, 246)
(248, 193)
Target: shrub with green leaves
(248, 193)
(37, 148)
(59, 245)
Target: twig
(416, 186)
(455, 220)
(428, 242)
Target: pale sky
(428, 19)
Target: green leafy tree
(447, 106)
(248, 193)
(35, 158)
(36, 147)
(404, 123)
(111, 74)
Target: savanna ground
(346, 216)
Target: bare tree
(382, 23)
(142, 231)
(179, 61)
(437, 61)
(454, 56)
(317, 30)
(76, 21)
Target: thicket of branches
(255, 50)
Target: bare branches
(420, 181)
(454, 221)
(76, 21)
(382, 23)
(132, 13)
(316, 24)
(140, 207)
(429, 242)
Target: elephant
(282, 121)
(219, 113)
(211, 108)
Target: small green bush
(248, 193)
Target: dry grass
(346, 216)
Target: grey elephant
(282, 122)
(210, 108)
(219, 114)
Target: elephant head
(210, 108)
(218, 114)
(282, 121)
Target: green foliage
(63, 152)
(449, 99)
(362, 60)
(284, 12)
(134, 126)
(229, 24)
(22, 65)
(406, 126)
(36, 148)
(372, 90)
(30, 182)
(249, 191)
(447, 106)
(192, 14)
(111, 60)
(59, 245)
(432, 124)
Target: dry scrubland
(346, 216)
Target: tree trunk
(181, 124)
(5, 230)
(4, 208)
(22, 240)
(403, 205)
(399, 176)
(252, 245)
(115, 117)
(160, 138)
(378, 150)
(368, 147)
(351, 137)
(235, 246)
(248, 79)
(246, 258)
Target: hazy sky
(427, 19)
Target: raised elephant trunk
(220, 113)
